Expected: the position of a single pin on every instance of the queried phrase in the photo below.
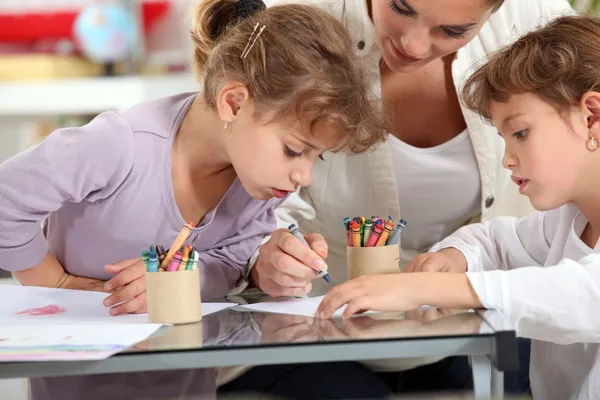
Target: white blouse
(451, 168)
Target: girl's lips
(522, 182)
(280, 194)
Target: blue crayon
(294, 231)
(395, 237)
(152, 260)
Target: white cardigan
(538, 272)
(348, 186)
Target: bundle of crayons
(184, 259)
(177, 258)
(373, 232)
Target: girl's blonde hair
(559, 63)
(303, 65)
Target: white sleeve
(558, 303)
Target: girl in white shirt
(543, 95)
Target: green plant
(589, 7)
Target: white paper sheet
(210, 308)
(69, 342)
(27, 305)
(44, 324)
(305, 306)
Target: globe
(106, 33)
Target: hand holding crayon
(286, 266)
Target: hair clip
(252, 39)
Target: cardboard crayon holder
(174, 297)
(372, 260)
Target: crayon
(175, 261)
(362, 231)
(395, 237)
(347, 223)
(355, 234)
(184, 234)
(160, 251)
(294, 231)
(185, 258)
(367, 234)
(145, 258)
(153, 260)
(375, 235)
(385, 234)
(349, 233)
(196, 259)
(190, 262)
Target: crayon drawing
(51, 309)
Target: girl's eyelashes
(321, 157)
(520, 135)
(401, 11)
(291, 153)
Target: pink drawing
(47, 310)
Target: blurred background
(64, 61)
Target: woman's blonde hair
(303, 65)
(559, 63)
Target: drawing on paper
(47, 310)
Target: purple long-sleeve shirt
(106, 189)
(106, 193)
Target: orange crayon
(185, 233)
(385, 234)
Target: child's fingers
(127, 292)
(318, 244)
(121, 265)
(136, 305)
(131, 273)
(334, 301)
(357, 305)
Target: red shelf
(32, 27)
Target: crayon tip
(327, 278)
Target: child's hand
(278, 328)
(388, 292)
(127, 288)
(445, 260)
(286, 266)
